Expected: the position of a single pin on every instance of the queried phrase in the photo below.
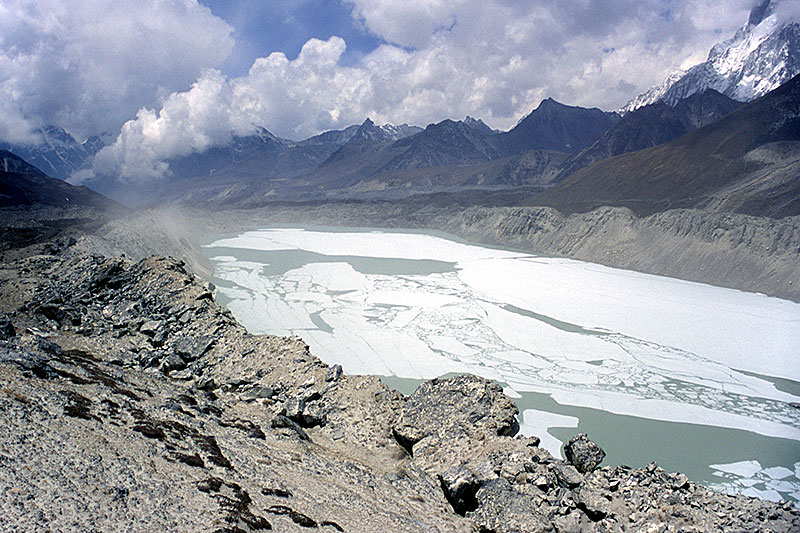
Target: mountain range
(563, 149)
(56, 152)
(376, 161)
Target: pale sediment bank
(753, 254)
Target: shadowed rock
(583, 453)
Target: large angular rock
(462, 406)
(567, 475)
(592, 503)
(502, 509)
(6, 328)
(460, 483)
(584, 454)
(334, 373)
(307, 415)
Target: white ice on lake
(589, 335)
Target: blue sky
(171, 77)
(261, 27)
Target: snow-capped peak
(653, 94)
(762, 55)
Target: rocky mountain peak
(760, 12)
(549, 103)
(267, 136)
(762, 55)
(556, 126)
(368, 130)
(478, 124)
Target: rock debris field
(131, 401)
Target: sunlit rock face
(760, 57)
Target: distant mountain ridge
(652, 125)
(57, 153)
(22, 184)
(761, 56)
(548, 146)
(746, 162)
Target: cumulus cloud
(495, 59)
(307, 94)
(411, 23)
(90, 67)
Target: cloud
(89, 68)
(303, 95)
(409, 23)
(495, 59)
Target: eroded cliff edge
(755, 254)
(131, 400)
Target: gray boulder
(462, 406)
(334, 373)
(584, 454)
(503, 509)
(567, 475)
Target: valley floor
(160, 411)
(754, 254)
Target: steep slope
(337, 137)
(761, 56)
(558, 127)
(22, 184)
(747, 162)
(652, 125)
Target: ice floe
(587, 335)
(538, 423)
(749, 478)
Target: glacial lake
(699, 378)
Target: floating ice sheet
(538, 423)
(587, 335)
(749, 478)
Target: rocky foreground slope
(130, 400)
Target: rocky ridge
(161, 411)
